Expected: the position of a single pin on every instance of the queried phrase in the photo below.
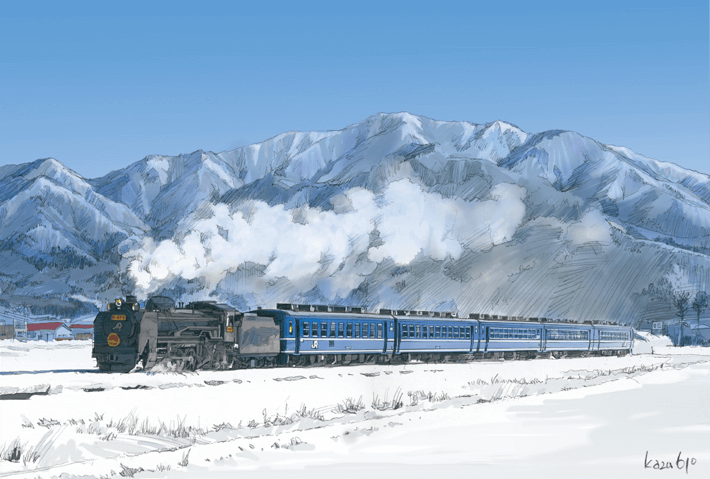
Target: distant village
(41, 328)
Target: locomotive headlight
(118, 303)
(136, 306)
(110, 306)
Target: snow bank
(647, 343)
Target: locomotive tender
(207, 335)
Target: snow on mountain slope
(281, 167)
(643, 193)
(50, 175)
(44, 206)
(51, 223)
(155, 187)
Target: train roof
(330, 314)
(314, 311)
(347, 312)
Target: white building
(51, 331)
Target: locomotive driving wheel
(220, 358)
(183, 359)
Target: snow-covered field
(591, 417)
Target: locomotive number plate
(113, 340)
(118, 317)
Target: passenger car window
(306, 330)
(357, 330)
(379, 331)
(349, 330)
(332, 330)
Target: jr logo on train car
(113, 340)
(118, 317)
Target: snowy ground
(593, 417)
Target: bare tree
(681, 302)
(700, 304)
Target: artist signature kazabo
(680, 463)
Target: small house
(51, 331)
(7, 331)
(82, 331)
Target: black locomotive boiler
(200, 335)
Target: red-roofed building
(83, 331)
(54, 330)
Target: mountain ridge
(442, 209)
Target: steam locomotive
(209, 335)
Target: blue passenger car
(420, 334)
(567, 337)
(612, 338)
(316, 333)
(503, 336)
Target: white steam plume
(331, 249)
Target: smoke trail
(334, 249)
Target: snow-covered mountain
(397, 211)
(58, 238)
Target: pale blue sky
(100, 87)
